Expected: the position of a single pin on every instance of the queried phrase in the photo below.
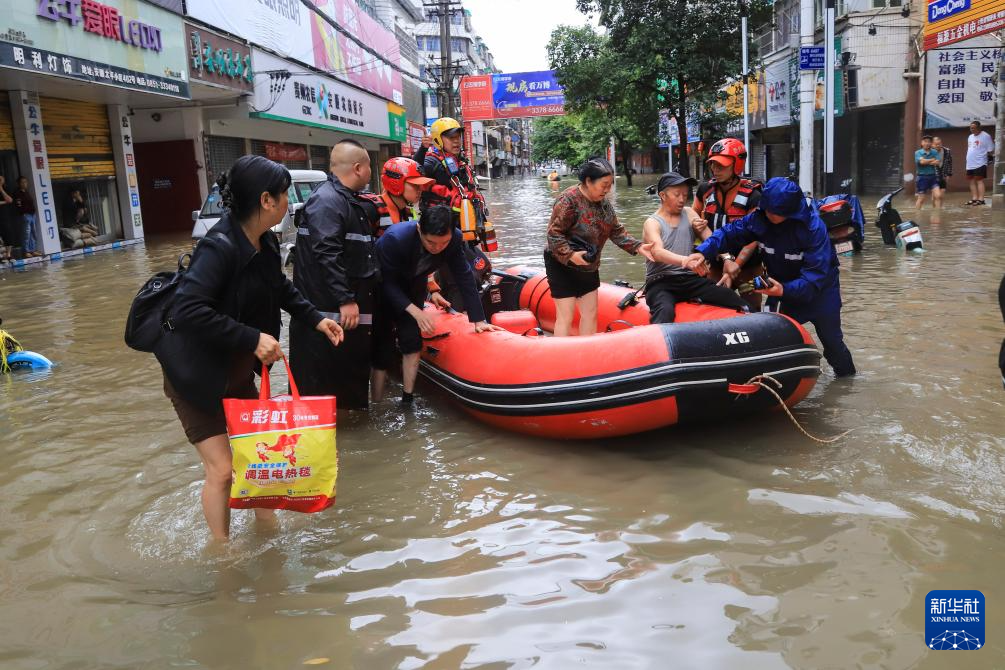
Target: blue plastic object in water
(29, 358)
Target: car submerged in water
(303, 184)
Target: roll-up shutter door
(221, 153)
(77, 139)
(320, 158)
(6, 125)
(757, 169)
(881, 136)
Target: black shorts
(979, 173)
(199, 424)
(402, 327)
(568, 282)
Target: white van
(303, 184)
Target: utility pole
(807, 96)
(746, 80)
(446, 61)
(829, 97)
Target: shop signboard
(279, 152)
(776, 93)
(315, 100)
(345, 58)
(415, 132)
(505, 96)
(733, 103)
(115, 42)
(218, 60)
(951, 21)
(397, 123)
(960, 83)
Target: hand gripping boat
(630, 377)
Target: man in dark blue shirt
(407, 254)
(799, 258)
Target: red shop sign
(285, 152)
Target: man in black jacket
(335, 268)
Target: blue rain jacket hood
(784, 197)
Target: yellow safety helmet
(440, 126)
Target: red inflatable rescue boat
(632, 376)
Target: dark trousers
(481, 266)
(342, 371)
(663, 294)
(825, 316)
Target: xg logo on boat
(736, 338)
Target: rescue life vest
(388, 212)
(717, 215)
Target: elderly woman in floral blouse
(581, 223)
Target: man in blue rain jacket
(798, 257)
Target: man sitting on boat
(669, 232)
(799, 258)
(407, 254)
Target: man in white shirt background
(980, 150)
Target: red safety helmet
(729, 152)
(399, 170)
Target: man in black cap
(669, 232)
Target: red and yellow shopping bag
(283, 450)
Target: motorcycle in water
(904, 235)
(842, 214)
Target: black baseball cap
(674, 179)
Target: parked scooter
(904, 235)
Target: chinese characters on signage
(218, 60)
(500, 96)
(103, 20)
(950, 21)
(960, 85)
(329, 103)
(48, 62)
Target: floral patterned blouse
(574, 215)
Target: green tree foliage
(572, 138)
(604, 89)
(695, 44)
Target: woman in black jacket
(225, 321)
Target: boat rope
(8, 345)
(757, 382)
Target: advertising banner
(668, 130)
(776, 85)
(281, 26)
(504, 96)
(950, 21)
(415, 132)
(315, 100)
(733, 103)
(116, 43)
(960, 84)
(343, 57)
(279, 152)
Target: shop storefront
(70, 73)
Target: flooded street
(738, 545)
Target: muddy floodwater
(734, 545)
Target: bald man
(335, 267)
